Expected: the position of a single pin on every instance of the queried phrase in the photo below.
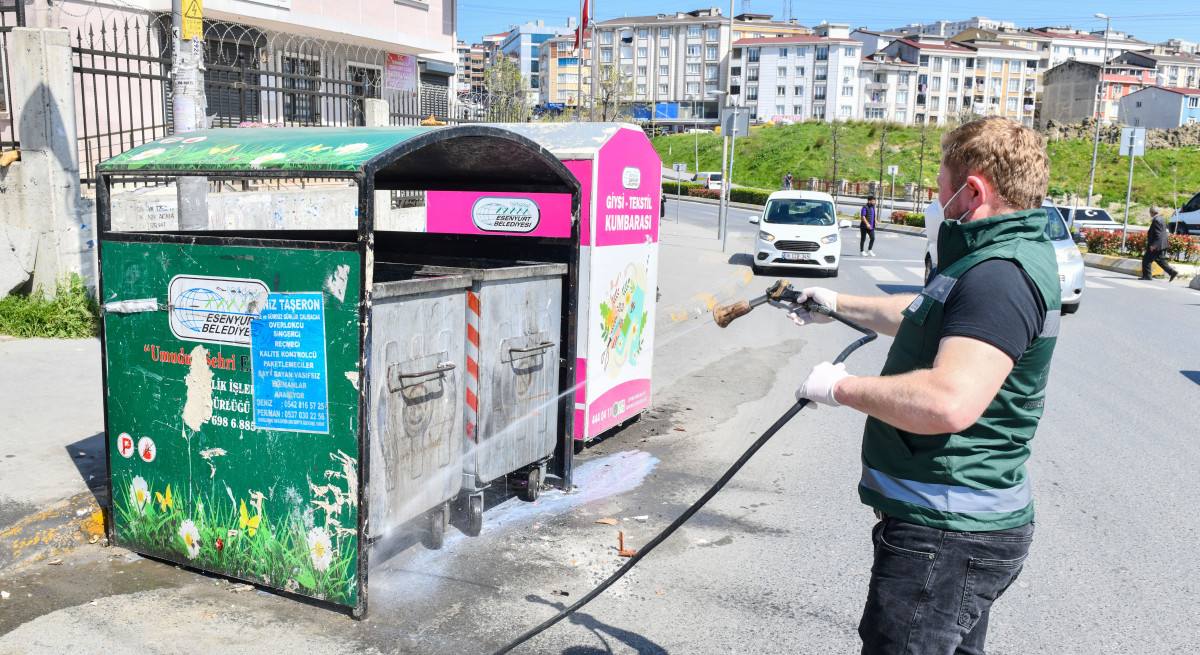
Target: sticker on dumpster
(125, 445)
(287, 351)
(214, 309)
(505, 214)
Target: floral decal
(623, 319)
(139, 493)
(191, 538)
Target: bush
(71, 314)
(908, 218)
(668, 186)
(714, 194)
(749, 196)
(1108, 242)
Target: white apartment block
(523, 45)
(1065, 43)
(948, 28)
(791, 79)
(888, 89)
(945, 77)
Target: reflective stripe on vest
(949, 498)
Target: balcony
(877, 86)
(873, 104)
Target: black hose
(870, 335)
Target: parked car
(1070, 261)
(710, 180)
(1187, 219)
(798, 229)
(1089, 218)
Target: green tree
(507, 99)
(614, 88)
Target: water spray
(782, 295)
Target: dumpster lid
(475, 157)
(570, 140)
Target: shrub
(908, 218)
(749, 196)
(1102, 242)
(701, 192)
(71, 314)
(668, 186)
(1183, 248)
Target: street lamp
(723, 203)
(1099, 99)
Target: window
(781, 90)
(564, 94)
(955, 64)
(693, 69)
(641, 89)
(710, 72)
(662, 70)
(935, 84)
(819, 112)
(935, 103)
(714, 33)
(752, 93)
(568, 61)
(783, 53)
(952, 104)
(1014, 85)
(662, 89)
(799, 71)
(798, 110)
(709, 87)
(997, 66)
(694, 30)
(937, 64)
(752, 73)
(970, 63)
(798, 90)
(1193, 102)
(953, 84)
(606, 38)
(1011, 105)
(847, 111)
(693, 88)
(923, 60)
(995, 86)
(664, 34)
(568, 78)
(606, 55)
(641, 53)
(710, 52)
(819, 92)
(847, 90)
(781, 71)
(641, 71)
(822, 52)
(848, 71)
(875, 113)
(902, 97)
(901, 115)
(664, 51)
(752, 55)
(626, 52)
(801, 52)
(902, 78)
(822, 72)
(693, 51)
(780, 110)
(643, 33)
(849, 51)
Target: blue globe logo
(192, 306)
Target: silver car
(1070, 262)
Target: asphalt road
(778, 561)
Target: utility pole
(595, 59)
(189, 104)
(1099, 99)
(833, 127)
(882, 148)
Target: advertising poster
(232, 396)
(401, 73)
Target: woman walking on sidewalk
(866, 228)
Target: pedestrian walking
(951, 415)
(1157, 243)
(866, 227)
(787, 182)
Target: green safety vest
(975, 480)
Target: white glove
(822, 296)
(820, 383)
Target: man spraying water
(951, 415)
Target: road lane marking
(881, 274)
(1092, 284)
(1140, 284)
(918, 271)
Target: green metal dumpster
(275, 399)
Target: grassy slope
(806, 149)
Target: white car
(1070, 262)
(798, 229)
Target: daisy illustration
(139, 493)
(350, 149)
(257, 162)
(320, 548)
(147, 154)
(191, 538)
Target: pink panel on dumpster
(628, 188)
(504, 214)
(582, 170)
(618, 404)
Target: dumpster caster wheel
(474, 515)
(533, 486)
(438, 519)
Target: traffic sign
(1133, 139)
(679, 167)
(892, 170)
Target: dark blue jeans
(932, 590)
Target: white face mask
(947, 206)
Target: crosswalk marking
(881, 274)
(1140, 284)
(918, 271)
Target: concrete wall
(1069, 92)
(45, 230)
(1152, 108)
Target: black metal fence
(12, 14)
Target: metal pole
(729, 182)
(696, 133)
(189, 107)
(579, 65)
(676, 196)
(721, 211)
(595, 60)
(1099, 99)
(893, 192)
(1128, 189)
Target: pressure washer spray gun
(781, 294)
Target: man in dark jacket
(1157, 242)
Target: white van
(1187, 219)
(710, 179)
(798, 229)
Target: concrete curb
(1134, 267)
(702, 304)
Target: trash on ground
(641, 519)
(607, 521)
(54, 562)
(621, 546)
(679, 429)
(559, 592)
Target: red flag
(583, 23)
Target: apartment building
(1180, 69)
(1006, 82)
(1064, 43)
(1070, 90)
(1159, 107)
(875, 41)
(888, 88)
(948, 28)
(944, 72)
(565, 73)
(523, 44)
(791, 79)
(675, 63)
